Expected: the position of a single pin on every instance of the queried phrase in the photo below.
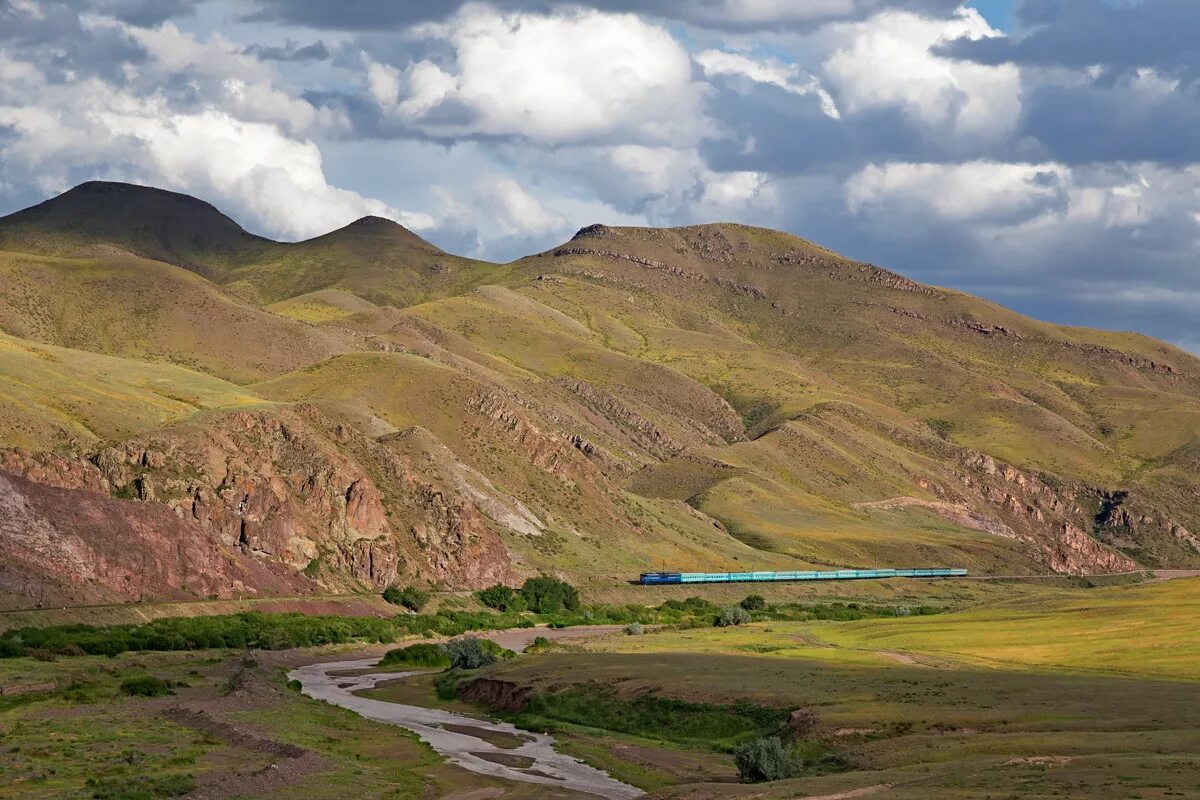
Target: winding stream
(457, 737)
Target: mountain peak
(152, 223)
(376, 230)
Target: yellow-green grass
(326, 305)
(1147, 630)
(51, 396)
(151, 311)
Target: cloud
(290, 51)
(772, 72)
(515, 211)
(979, 192)
(732, 15)
(570, 77)
(1080, 34)
(57, 133)
(888, 61)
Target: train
(656, 578)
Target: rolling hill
(363, 407)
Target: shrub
(411, 597)
(417, 655)
(763, 759)
(634, 629)
(469, 652)
(139, 787)
(754, 602)
(502, 598)
(733, 615)
(145, 686)
(546, 595)
(295, 685)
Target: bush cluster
(417, 655)
(732, 615)
(754, 602)
(411, 597)
(541, 595)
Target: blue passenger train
(832, 575)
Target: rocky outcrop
(1052, 521)
(263, 484)
(77, 546)
(644, 432)
(300, 496)
(679, 272)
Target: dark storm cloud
(143, 12)
(373, 15)
(1162, 34)
(1097, 122)
(292, 51)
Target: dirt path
(534, 761)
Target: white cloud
(788, 77)
(571, 76)
(515, 211)
(220, 72)
(886, 61)
(254, 169)
(977, 191)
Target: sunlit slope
(151, 311)
(706, 397)
(52, 397)
(1148, 630)
(373, 258)
(589, 525)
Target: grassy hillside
(705, 397)
(52, 397)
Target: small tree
(754, 602)
(547, 595)
(411, 597)
(502, 598)
(763, 760)
(468, 653)
(733, 615)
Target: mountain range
(189, 410)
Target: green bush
(754, 602)
(763, 759)
(145, 686)
(295, 685)
(417, 655)
(468, 653)
(502, 598)
(733, 615)
(635, 629)
(411, 597)
(546, 595)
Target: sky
(1044, 154)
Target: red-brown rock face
(292, 492)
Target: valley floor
(1029, 692)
